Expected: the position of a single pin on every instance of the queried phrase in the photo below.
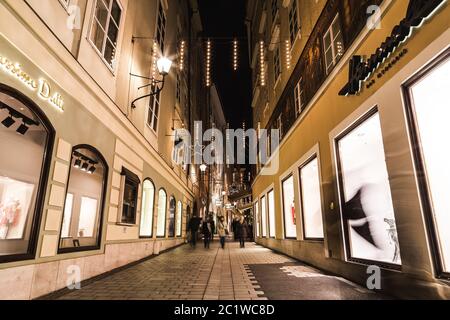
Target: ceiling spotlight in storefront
(77, 164)
(92, 170)
(85, 167)
(9, 121)
(23, 128)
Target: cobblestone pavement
(195, 274)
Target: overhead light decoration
(235, 55)
(288, 54)
(208, 63)
(262, 64)
(182, 49)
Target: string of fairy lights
(209, 45)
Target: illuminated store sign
(41, 86)
(361, 69)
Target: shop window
(84, 203)
(294, 24)
(105, 29)
(257, 220)
(264, 216)
(26, 140)
(162, 207)
(148, 201)
(172, 209)
(311, 200)
(179, 219)
(290, 218)
(130, 197)
(427, 98)
(333, 43)
(271, 209)
(367, 210)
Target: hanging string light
(262, 63)
(208, 63)
(154, 60)
(182, 48)
(235, 55)
(288, 54)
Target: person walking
(222, 231)
(193, 227)
(213, 227)
(206, 230)
(241, 231)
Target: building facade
(89, 180)
(358, 92)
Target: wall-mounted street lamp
(164, 65)
(203, 168)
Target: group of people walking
(208, 228)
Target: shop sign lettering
(361, 69)
(41, 86)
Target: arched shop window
(83, 210)
(148, 201)
(172, 208)
(161, 219)
(26, 140)
(179, 218)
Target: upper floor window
(276, 63)
(294, 24)
(274, 10)
(333, 44)
(161, 27)
(299, 96)
(105, 29)
(153, 111)
(65, 3)
(280, 125)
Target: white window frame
(333, 37)
(298, 97)
(163, 29)
(275, 10)
(293, 18)
(277, 64)
(154, 100)
(65, 4)
(105, 39)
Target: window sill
(123, 224)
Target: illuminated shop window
(130, 197)
(367, 210)
(105, 29)
(161, 218)
(84, 201)
(258, 220)
(26, 138)
(172, 209)
(311, 201)
(271, 208)
(428, 107)
(148, 203)
(179, 218)
(333, 44)
(264, 216)
(290, 218)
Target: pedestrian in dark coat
(241, 231)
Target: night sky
(222, 21)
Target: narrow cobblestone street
(253, 273)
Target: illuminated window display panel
(367, 210)
(290, 219)
(430, 98)
(172, 208)
(179, 218)
(23, 141)
(84, 199)
(263, 216)
(148, 199)
(258, 220)
(311, 201)
(271, 207)
(161, 219)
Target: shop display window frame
(313, 157)
(165, 214)
(345, 232)
(291, 175)
(153, 209)
(272, 190)
(179, 234)
(43, 178)
(172, 199)
(131, 177)
(419, 164)
(264, 231)
(102, 204)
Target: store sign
(41, 87)
(361, 69)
